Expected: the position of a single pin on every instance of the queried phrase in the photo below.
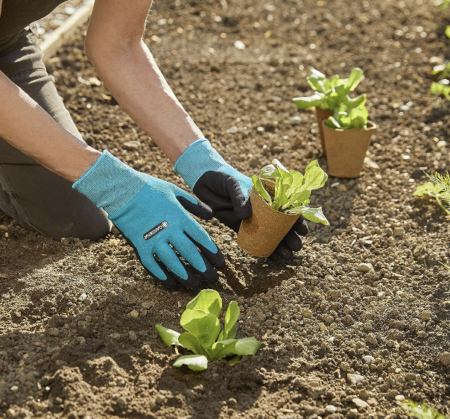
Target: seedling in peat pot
(331, 93)
(349, 118)
(277, 205)
(293, 189)
(438, 188)
(347, 137)
(204, 336)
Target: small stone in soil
(444, 358)
(354, 378)
(359, 402)
(365, 267)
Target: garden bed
(367, 295)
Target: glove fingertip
(301, 227)
(198, 208)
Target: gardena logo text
(155, 230)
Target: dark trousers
(30, 194)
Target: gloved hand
(151, 214)
(226, 190)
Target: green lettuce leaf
(168, 336)
(193, 362)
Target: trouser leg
(35, 197)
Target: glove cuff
(200, 157)
(109, 183)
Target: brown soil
(69, 347)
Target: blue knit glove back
(211, 177)
(151, 214)
(226, 190)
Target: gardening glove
(152, 216)
(226, 191)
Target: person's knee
(93, 226)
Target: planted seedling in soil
(442, 72)
(438, 188)
(278, 198)
(331, 93)
(204, 336)
(422, 411)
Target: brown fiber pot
(321, 116)
(260, 234)
(346, 149)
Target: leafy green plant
(331, 93)
(444, 4)
(422, 411)
(204, 336)
(292, 189)
(349, 118)
(442, 86)
(438, 188)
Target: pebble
(444, 358)
(296, 120)
(131, 145)
(134, 314)
(330, 409)
(436, 60)
(53, 331)
(399, 397)
(426, 315)
(360, 403)
(365, 267)
(354, 378)
(399, 231)
(132, 335)
(14, 388)
(307, 313)
(146, 305)
(226, 238)
(239, 45)
(342, 188)
(369, 359)
(345, 366)
(372, 402)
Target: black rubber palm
(223, 194)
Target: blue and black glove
(151, 214)
(226, 190)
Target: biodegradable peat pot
(346, 149)
(260, 234)
(321, 116)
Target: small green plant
(442, 86)
(349, 118)
(444, 4)
(293, 189)
(204, 336)
(331, 93)
(422, 411)
(438, 188)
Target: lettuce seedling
(204, 336)
(349, 118)
(438, 188)
(422, 411)
(442, 86)
(293, 189)
(331, 93)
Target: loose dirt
(358, 320)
